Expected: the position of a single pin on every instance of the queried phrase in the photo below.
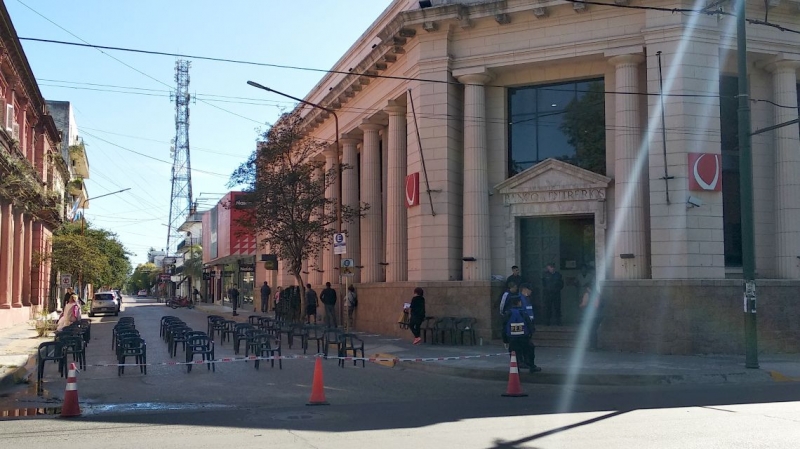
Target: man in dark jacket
(552, 284)
(266, 293)
(518, 330)
(328, 297)
(311, 304)
(233, 294)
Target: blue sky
(308, 33)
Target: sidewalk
(592, 368)
(18, 347)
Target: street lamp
(83, 228)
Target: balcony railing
(185, 243)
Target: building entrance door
(566, 242)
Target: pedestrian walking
(518, 329)
(328, 298)
(311, 304)
(196, 295)
(350, 303)
(234, 297)
(552, 284)
(266, 293)
(416, 314)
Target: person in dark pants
(234, 296)
(518, 328)
(328, 297)
(552, 284)
(67, 297)
(416, 314)
(311, 304)
(266, 293)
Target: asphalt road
(385, 407)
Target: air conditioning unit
(15, 131)
(9, 117)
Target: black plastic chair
(49, 350)
(283, 328)
(444, 327)
(201, 345)
(427, 327)
(240, 335)
(132, 347)
(352, 343)
(253, 342)
(86, 327)
(269, 346)
(299, 330)
(211, 319)
(218, 328)
(177, 335)
(466, 326)
(117, 330)
(75, 345)
(331, 339)
(253, 319)
(166, 320)
(314, 333)
(228, 331)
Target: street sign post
(339, 244)
(66, 280)
(347, 267)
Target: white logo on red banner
(705, 172)
(412, 190)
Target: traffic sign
(66, 280)
(339, 244)
(347, 267)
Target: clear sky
(137, 114)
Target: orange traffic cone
(70, 408)
(514, 389)
(317, 387)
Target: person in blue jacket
(518, 329)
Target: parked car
(104, 302)
(142, 294)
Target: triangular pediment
(552, 174)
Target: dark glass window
(731, 202)
(562, 121)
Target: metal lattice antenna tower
(181, 197)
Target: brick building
(32, 183)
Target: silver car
(104, 302)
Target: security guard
(518, 331)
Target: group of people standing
(287, 305)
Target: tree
(585, 127)
(144, 277)
(289, 211)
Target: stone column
(329, 267)
(371, 222)
(18, 253)
(27, 248)
(315, 264)
(6, 246)
(476, 237)
(787, 171)
(396, 224)
(350, 199)
(629, 191)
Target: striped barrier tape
(299, 357)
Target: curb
(19, 374)
(594, 379)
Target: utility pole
(746, 193)
(181, 196)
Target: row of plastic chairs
(194, 343)
(71, 340)
(127, 342)
(455, 329)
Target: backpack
(516, 325)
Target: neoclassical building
(32, 184)
(522, 132)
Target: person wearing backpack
(350, 303)
(518, 330)
(505, 303)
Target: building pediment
(553, 180)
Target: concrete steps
(555, 336)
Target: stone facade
(440, 109)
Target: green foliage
(193, 265)
(585, 128)
(290, 211)
(96, 254)
(144, 277)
